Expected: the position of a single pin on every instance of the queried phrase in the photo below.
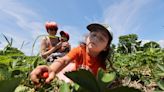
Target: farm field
(130, 67)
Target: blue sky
(24, 20)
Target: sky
(24, 20)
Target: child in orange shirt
(91, 55)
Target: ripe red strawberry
(45, 75)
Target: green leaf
(161, 74)
(22, 88)
(35, 62)
(161, 67)
(161, 84)
(14, 64)
(99, 79)
(3, 66)
(85, 79)
(9, 85)
(105, 78)
(123, 89)
(6, 39)
(108, 77)
(75, 86)
(100, 74)
(4, 74)
(16, 72)
(64, 88)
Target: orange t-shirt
(83, 60)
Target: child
(50, 43)
(64, 36)
(65, 48)
(90, 56)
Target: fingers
(50, 78)
(35, 74)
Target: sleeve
(74, 53)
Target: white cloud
(23, 16)
(123, 15)
(25, 20)
(161, 42)
(144, 41)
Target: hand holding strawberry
(45, 75)
(42, 72)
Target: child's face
(52, 31)
(64, 38)
(97, 41)
(64, 46)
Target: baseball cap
(64, 33)
(93, 26)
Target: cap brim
(62, 32)
(94, 26)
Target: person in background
(65, 48)
(64, 36)
(60, 52)
(90, 55)
(50, 43)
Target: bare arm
(58, 65)
(44, 52)
(53, 69)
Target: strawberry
(45, 75)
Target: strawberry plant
(139, 68)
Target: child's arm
(58, 65)
(45, 53)
(52, 70)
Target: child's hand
(59, 45)
(40, 72)
(45, 75)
